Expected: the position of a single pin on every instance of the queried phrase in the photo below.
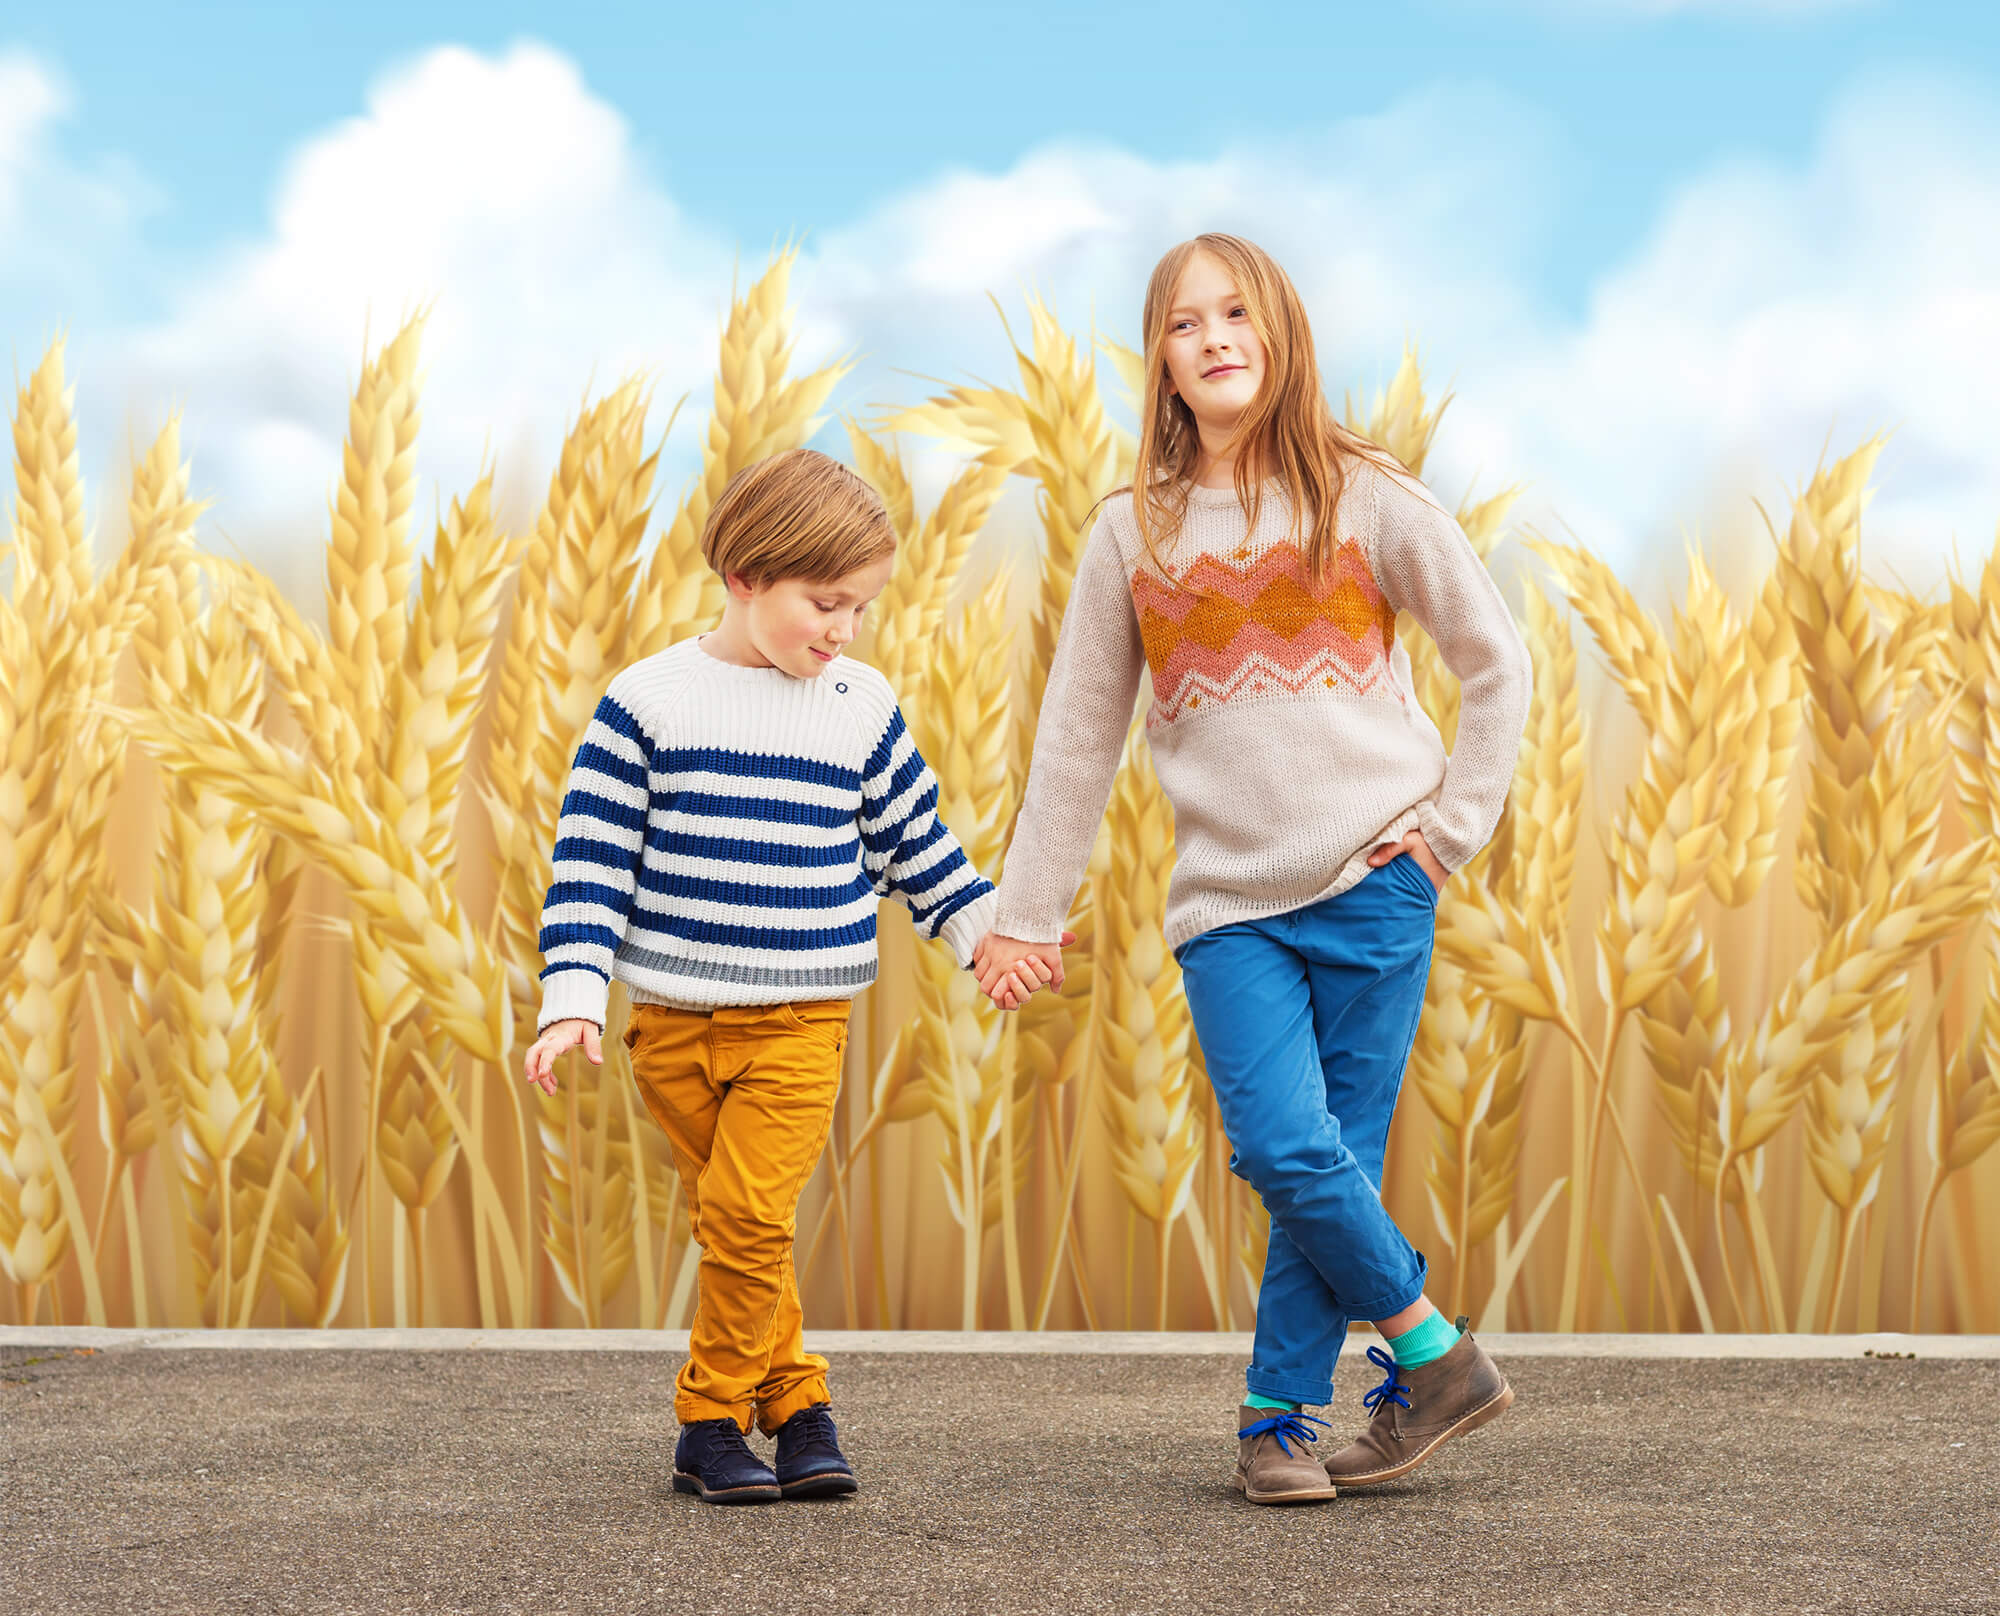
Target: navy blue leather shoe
(714, 1462)
(809, 1462)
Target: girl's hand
(1009, 970)
(556, 1038)
(1417, 848)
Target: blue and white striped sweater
(727, 834)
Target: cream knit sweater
(1283, 723)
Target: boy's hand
(1010, 970)
(557, 1037)
(1414, 846)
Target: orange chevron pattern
(1220, 631)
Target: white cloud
(30, 98)
(500, 193)
(66, 227)
(1768, 308)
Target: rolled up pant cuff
(1387, 1307)
(1290, 1388)
(774, 1414)
(690, 1407)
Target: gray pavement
(392, 1480)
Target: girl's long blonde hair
(1288, 431)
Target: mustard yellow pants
(746, 1098)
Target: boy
(738, 806)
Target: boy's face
(801, 625)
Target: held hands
(1010, 970)
(1417, 848)
(558, 1037)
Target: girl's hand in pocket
(1412, 846)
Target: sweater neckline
(735, 670)
(1212, 498)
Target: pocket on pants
(822, 1020)
(633, 1027)
(1415, 873)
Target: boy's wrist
(575, 994)
(963, 931)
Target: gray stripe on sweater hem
(762, 976)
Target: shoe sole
(756, 1494)
(1305, 1495)
(1487, 1412)
(831, 1484)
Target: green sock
(1429, 1341)
(1259, 1400)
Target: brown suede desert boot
(1273, 1465)
(1415, 1410)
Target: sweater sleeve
(1427, 567)
(1079, 734)
(600, 835)
(909, 851)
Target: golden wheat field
(1713, 1031)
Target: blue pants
(1306, 1021)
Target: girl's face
(1214, 358)
(802, 626)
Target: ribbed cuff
(576, 993)
(1442, 842)
(1010, 922)
(964, 929)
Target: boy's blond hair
(799, 514)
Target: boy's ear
(734, 582)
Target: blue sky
(767, 119)
(1580, 206)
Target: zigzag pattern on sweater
(1221, 632)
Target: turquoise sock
(1428, 1342)
(1259, 1400)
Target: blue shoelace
(1285, 1425)
(1391, 1390)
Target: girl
(1256, 565)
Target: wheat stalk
(758, 411)
(368, 559)
(1965, 1112)
(168, 642)
(60, 638)
(51, 550)
(1872, 808)
(517, 798)
(401, 904)
(1053, 431)
(589, 1208)
(1468, 1060)
(210, 903)
(1836, 989)
(1401, 419)
(960, 725)
(591, 568)
(930, 555)
(1141, 1016)
(433, 694)
(1764, 742)
(307, 1255)
(301, 662)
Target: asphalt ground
(1012, 1481)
